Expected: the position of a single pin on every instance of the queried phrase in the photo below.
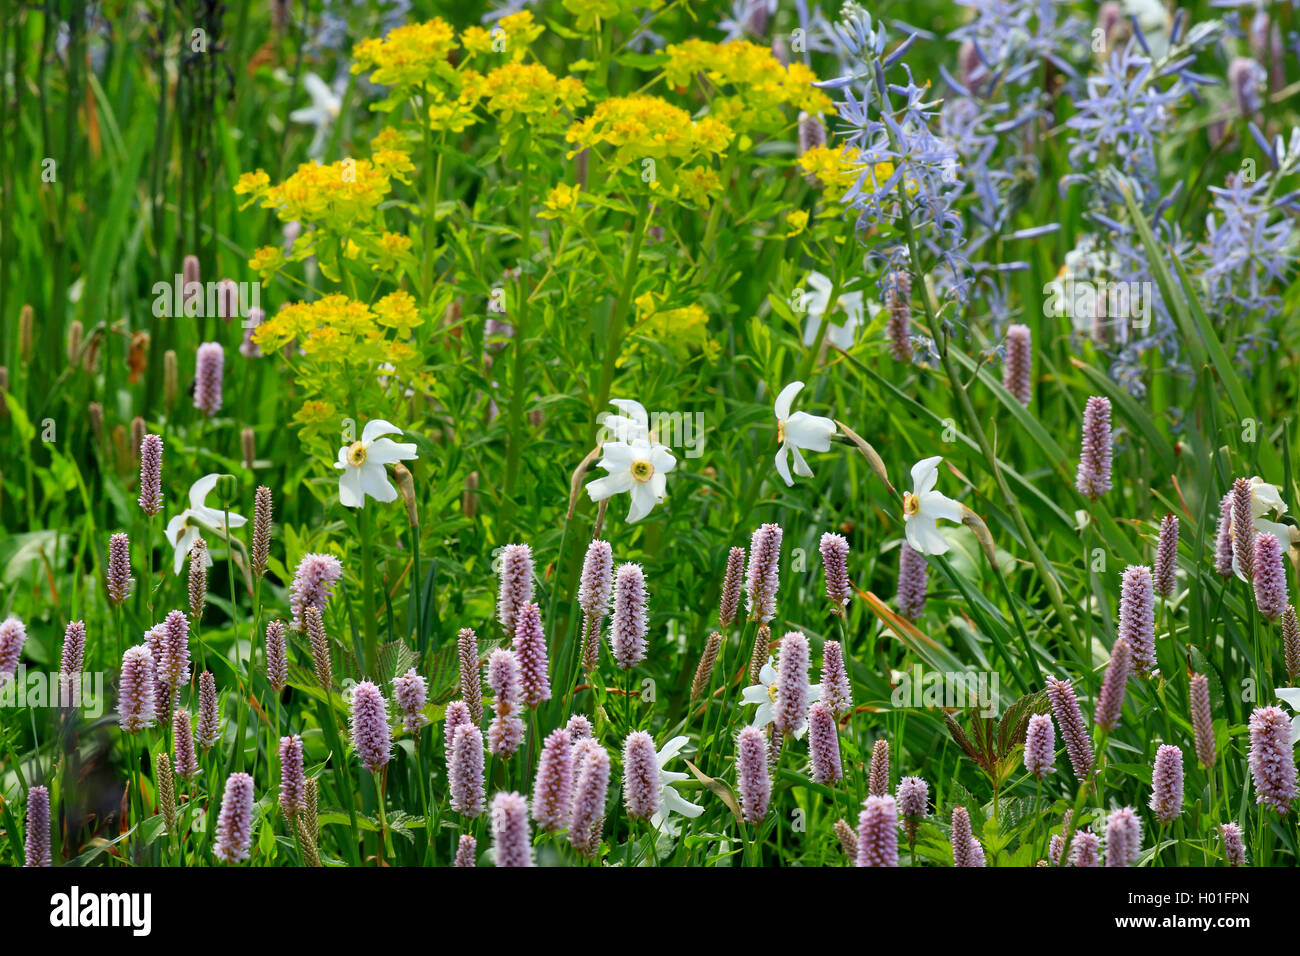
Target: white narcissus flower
(636, 462)
(764, 695)
(362, 464)
(670, 801)
(923, 507)
(800, 430)
(1265, 498)
(322, 114)
(817, 304)
(632, 425)
(639, 468)
(184, 529)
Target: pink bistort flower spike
(1093, 477)
(208, 731)
(198, 578)
(898, 303)
(13, 636)
(71, 663)
(292, 782)
(1164, 575)
(1040, 746)
(187, 761)
(878, 775)
(277, 662)
(370, 732)
(1202, 720)
(1065, 707)
(836, 692)
(1234, 850)
(878, 832)
(411, 693)
(589, 795)
(37, 849)
(1110, 699)
(790, 709)
(1272, 758)
(1243, 528)
(835, 562)
(640, 776)
(174, 660)
(1223, 539)
(597, 580)
(966, 850)
(579, 728)
(752, 778)
(1085, 849)
(530, 651)
(235, 823)
(1269, 577)
(471, 677)
(627, 640)
(729, 602)
(511, 842)
(1137, 620)
(1291, 644)
(507, 730)
(260, 552)
(465, 770)
(913, 581)
(117, 576)
(1017, 371)
(136, 690)
(913, 796)
(824, 745)
(1123, 837)
(313, 584)
(763, 573)
(466, 852)
(1167, 784)
(515, 588)
(151, 453)
(455, 715)
(553, 787)
(209, 364)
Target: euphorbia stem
(519, 316)
(614, 340)
(371, 624)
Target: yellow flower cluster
(529, 91)
(336, 195)
(832, 166)
(681, 331)
(562, 199)
(392, 250)
(338, 335)
(408, 57)
(646, 128)
(640, 126)
(341, 201)
(510, 35)
(414, 60)
(761, 83)
(333, 329)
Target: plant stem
(370, 626)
